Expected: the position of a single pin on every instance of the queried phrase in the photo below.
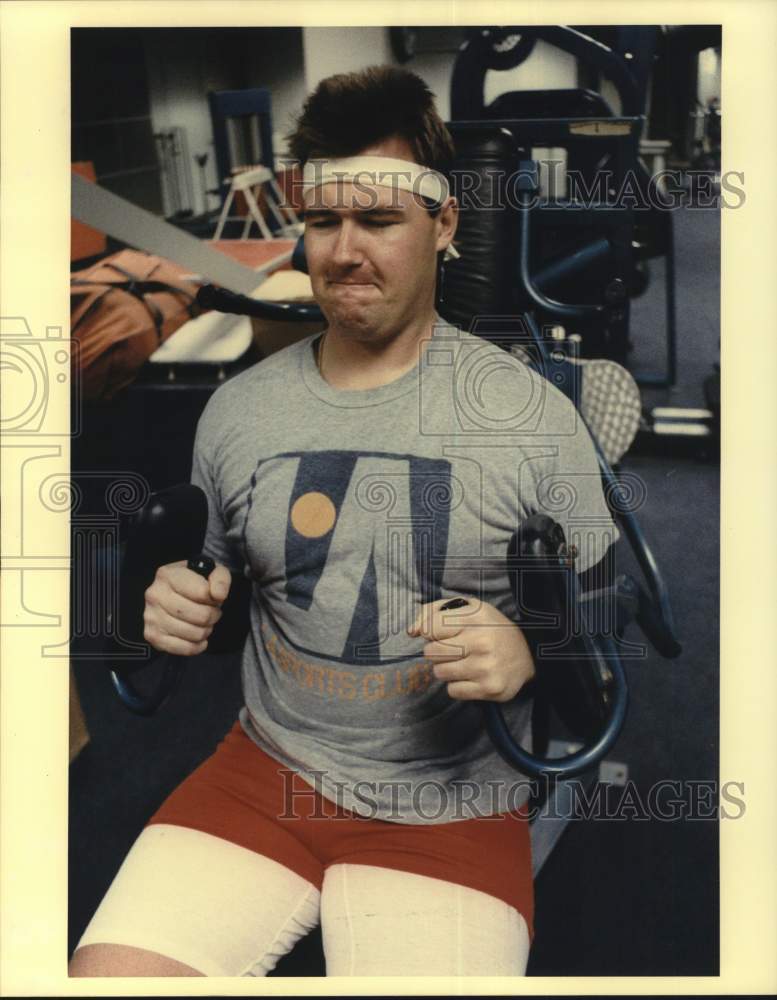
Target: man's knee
(122, 960)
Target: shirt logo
(365, 537)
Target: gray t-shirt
(347, 508)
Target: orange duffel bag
(121, 309)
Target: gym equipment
(248, 182)
(121, 310)
(694, 430)
(589, 690)
(242, 130)
(675, 92)
(169, 527)
(608, 396)
(163, 528)
(138, 228)
(579, 673)
(582, 678)
(221, 300)
(497, 290)
(601, 159)
(592, 270)
(245, 161)
(174, 161)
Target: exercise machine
(602, 219)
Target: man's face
(372, 252)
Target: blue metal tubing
(571, 265)
(143, 704)
(576, 763)
(558, 309)
(662, 632)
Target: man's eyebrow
(381, 210)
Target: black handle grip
(202, 565)
(230, 630)
(170, 523)
(211, 297)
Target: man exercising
(367, 482)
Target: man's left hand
(476, 649)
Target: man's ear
(447, 220)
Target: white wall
(342, 50)
(279, 63)
(435, 70)
(547, 68)
(181, 70)
(183, 66)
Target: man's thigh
(211, 905)
(380, 922)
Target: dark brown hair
(350, 111)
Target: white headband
(380, 171)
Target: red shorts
(244, 796)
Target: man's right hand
(182, 608)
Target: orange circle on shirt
(313, 515)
